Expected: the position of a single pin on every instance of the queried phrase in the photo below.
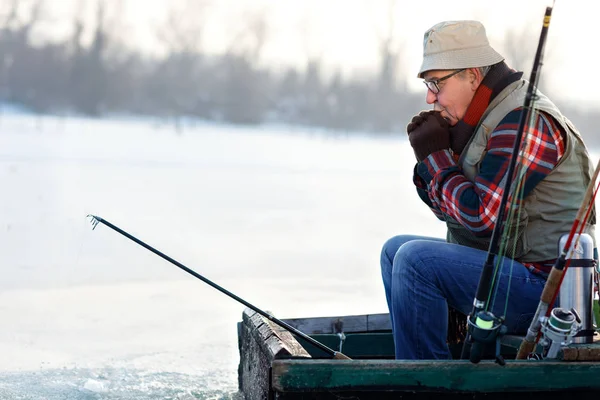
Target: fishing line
(515, 199)
(512, 231)
(513, 223)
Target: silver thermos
(576, 291)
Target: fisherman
(463, 147)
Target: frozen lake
(290, 219)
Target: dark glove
(460, 135)
(428, 132)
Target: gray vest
(549, 210)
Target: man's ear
(475, 77)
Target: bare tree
(21, 17)
(250, 38)
(88, 72)
(246, 93)
(311, 99)
(179, 85)
(390, 50)
(519, 46)
(17, 62)
(183, 30)
(12, 9)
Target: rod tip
(94, 220)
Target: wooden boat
(275, 364)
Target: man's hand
(428, 132)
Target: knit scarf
(497, 78)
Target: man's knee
(392, 245)
(388, 251)
(410, 259)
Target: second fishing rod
(483, 327)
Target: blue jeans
(423, 276)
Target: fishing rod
(336, 354)
(485, 328)
(558, 271)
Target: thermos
(576, 291)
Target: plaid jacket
(442, 186)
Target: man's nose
(431, 97)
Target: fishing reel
(484, 329)
(558, 330)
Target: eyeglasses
(433, 85)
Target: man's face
(455, 92)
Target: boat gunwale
(433, 375)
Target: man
(463, 148)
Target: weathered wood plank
(436, 376)
(254, 365)
(276, 342)
(287, 340)
(260, 342)
(351, 323)
(590, 352)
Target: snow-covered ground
(290, 219)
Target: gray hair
(484, 70)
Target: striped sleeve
(423, 192)
(475, 205)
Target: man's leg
(390, 248)
(428, 276)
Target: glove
(459, 137)
(428, 132)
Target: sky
(344, 34)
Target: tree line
(103, 76)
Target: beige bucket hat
(456, 45)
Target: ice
(96, 386)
